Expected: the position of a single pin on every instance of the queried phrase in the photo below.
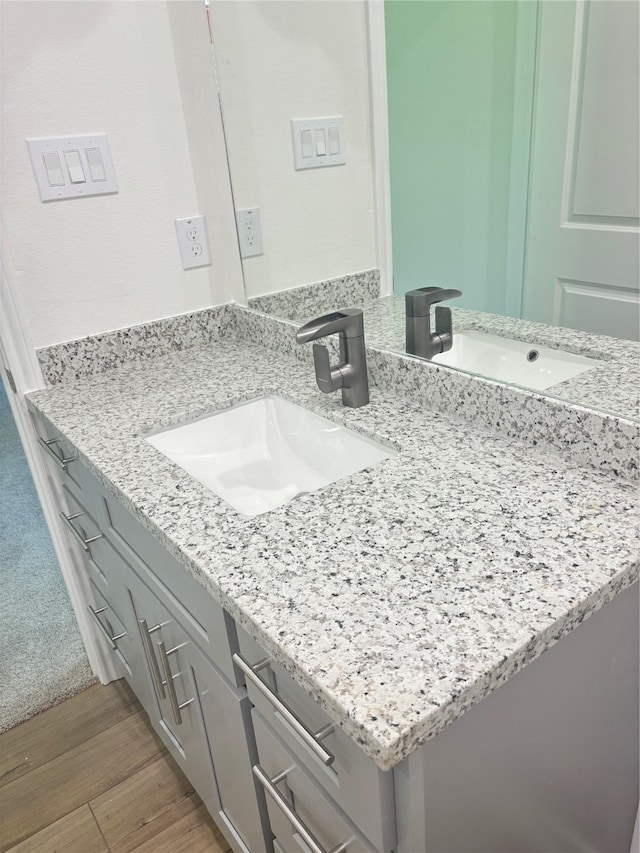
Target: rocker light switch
(53, 168)
(96, 164)
(74, 165)
(307, 144)
(334, 140)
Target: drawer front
(112, 610)
(351, 779)
(65, 466)
(79, 522)
(196, 610)
(301, 814)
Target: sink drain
(533, 355)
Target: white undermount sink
(259, 455)
(518, 362)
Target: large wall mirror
(514, 156)
(513, 138)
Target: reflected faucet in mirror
(351, 373)
(420, 340)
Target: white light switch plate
(193, 242)
(311, 138)
(72, 166)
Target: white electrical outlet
(249, 232)
(193, 242)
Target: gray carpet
(42, 658)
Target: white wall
(279, 60)
(88, 265)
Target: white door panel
(582, 259)
(605, 129)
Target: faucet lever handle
(443, 320)
(443, 333)
(328, 380)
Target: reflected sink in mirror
(505, 360)
(261, 454)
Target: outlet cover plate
(249, 232)
(193, 242)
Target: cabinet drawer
(64, 464)
(79, 521)
(351, 779)
(297, 804)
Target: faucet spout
(347, 322)
(420, 340)
(350, 374)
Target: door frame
(374, 11)
(18, 355)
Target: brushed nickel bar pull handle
(308, 837)
(176, 706)
(145, 633)
(60, 461)
(310, 738)
(111, 640)
(83, 542)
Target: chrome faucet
(351, 373)
(420, 340)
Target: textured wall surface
(84, 266)
(279, 61)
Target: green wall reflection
(459, 130)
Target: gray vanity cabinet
(548, 761)
(187, 662)
(172, 644)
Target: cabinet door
(225, 712)
(180, 728)
(201, 720)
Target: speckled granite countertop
(397, 597)
(612, 387)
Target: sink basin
(520, 363)
(259, 455)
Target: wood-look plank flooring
(90, 776)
